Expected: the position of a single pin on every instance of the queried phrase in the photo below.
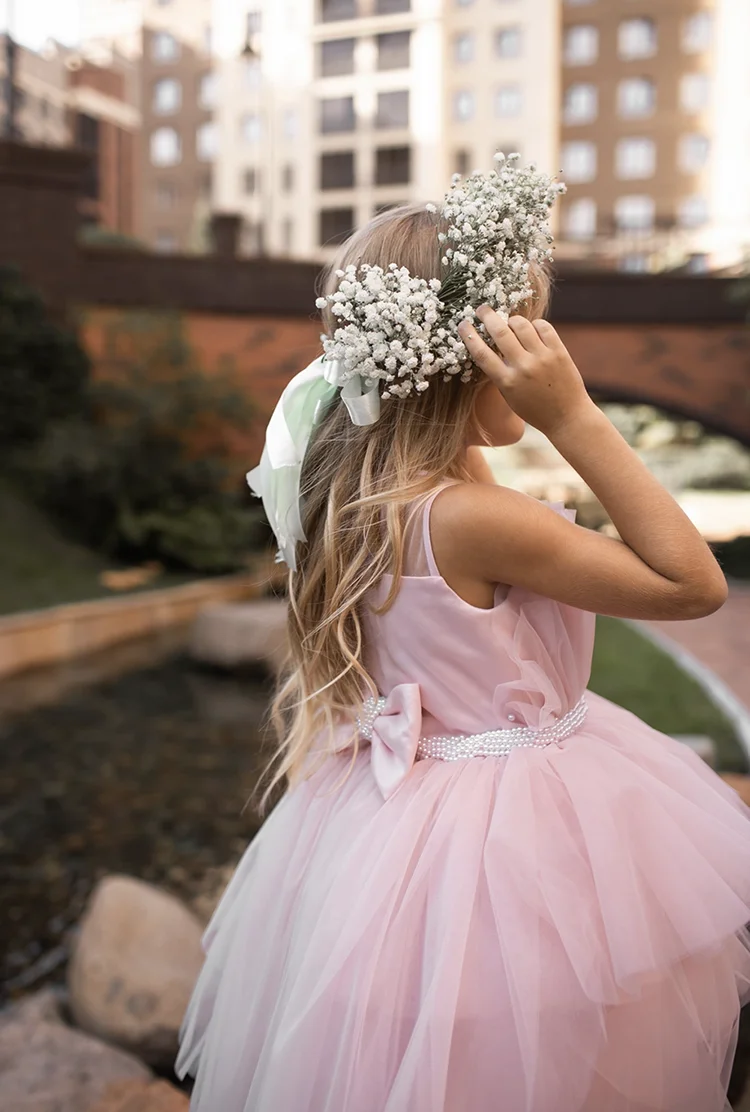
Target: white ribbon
(276, 479)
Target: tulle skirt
(559, 930)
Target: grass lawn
(40, 567)
(634, 673)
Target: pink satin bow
(395, 737)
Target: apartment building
(655, 132)
(329, 111)
(63, 100)
(169, 42)
(40, 96)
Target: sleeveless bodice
(525, 662)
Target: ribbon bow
(276, 479)
(394, 735)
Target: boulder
(133, 967)
(46, 1066)
(142, 1096)
(233, 635)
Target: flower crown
(398, 329)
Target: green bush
(43, 370)
(150, 469)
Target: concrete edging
(57, 634)
(715, 688)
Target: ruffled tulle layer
(562, 930)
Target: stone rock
(241, 633)
(133, 967)
(46, 1066)
(142, 1096)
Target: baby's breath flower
(400, 329)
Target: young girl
(486, 888)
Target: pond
(138, 763)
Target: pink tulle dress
(517, 897)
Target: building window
(164, 47)
(337, 170)
(393, 109)
(332, 10)
(253, 236)
(389, 7)
(695, 92)
(335, 225)
(166, 195)
(251, 73)
(692, 153)
(253, 23)
(508, 42)
(336, 57)
(697, 32)
(461, 163)
(167, 97)
(581, 45)
(205, 141)
(290, 123)
(207, 90)
(692, 212)
(250, 127)
(166, 242)
(392, 165)
(463, 47)
(579, 161)
(165, 147)
(463, 105)
(636, 98)
(579, 218)
(287, 177)
(581, 103)
(635, 158)
(394, 50)
(337, 114)
(250, 181)
(633, 263)
(508, 101)
(636, 38)
(634, 213)
(287, 235)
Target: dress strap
(426, 538)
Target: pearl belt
(491, 743)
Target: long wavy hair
(356, 486)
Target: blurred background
(173, 175)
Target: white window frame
(690, 85)
(635, 200)
(170, 156)
(206, 141)
(158, 54)
(635, 158)
(251, 127)
(508, 100)
(581, 103)
(697, 32)
(686, 163)
(513, 34)
(586, 52)
(637, 37)
(633, 110)
(464, 97)
(579, 218)
(168, 109)
(463, 39)
(693, 211)
(579, 159)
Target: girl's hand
(533, 370)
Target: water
(136, 762)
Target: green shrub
(43, 370)
(151, 470)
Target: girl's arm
(661, 568)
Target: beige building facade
(655, 133)
(330, 110)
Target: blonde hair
(356, 485)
